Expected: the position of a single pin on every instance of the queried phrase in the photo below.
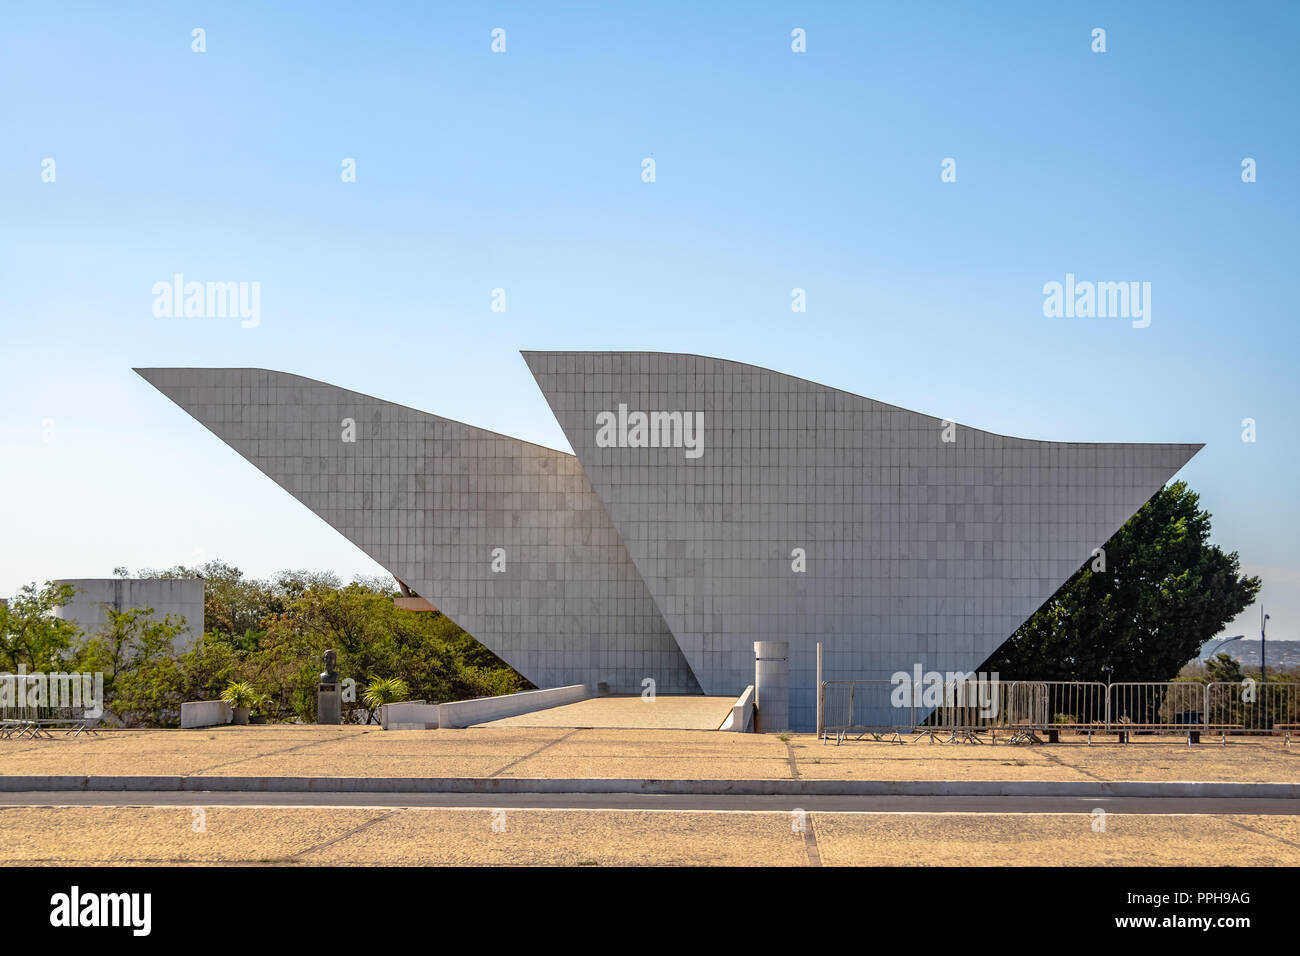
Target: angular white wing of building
(709, 504)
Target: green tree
(1165, 592)
(207, 667)
(270, 633)
(150, 690)
(135, 653)
(434, 658)
(127, 639)
(150, 694)
(30, 634)
(233, 606)
(1223, 667)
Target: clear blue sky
(522, 171)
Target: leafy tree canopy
(1166, 591)
(269, 634)
(30, 634)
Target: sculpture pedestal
(329, 704)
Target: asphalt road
(634, 801)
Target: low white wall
(463, 713)
(741, 718)
(206, 713)
(409, 712)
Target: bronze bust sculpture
(330, 675)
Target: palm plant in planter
(385, 690)
(243, 697)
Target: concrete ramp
(630, 713)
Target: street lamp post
(1226, 640)
(1263, 624)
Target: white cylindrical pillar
(771, 686)
(821, 727)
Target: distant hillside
(1280, 653)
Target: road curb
(597, 785)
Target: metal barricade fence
(972, 707)
(27, 715)
(17, 719)
(881, 707)
(1253, 707)
(874, 707)
(1156, 705)
(888, 708)
(1024, 708)
(1076, 706)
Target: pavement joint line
(794, 764)
(353, 832)
(269, 753)
(519, 760)
(1061, 763)
(1265, 833)
(810, 842)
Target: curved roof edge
(1194, 447)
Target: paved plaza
(509, 751)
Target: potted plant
(243, 698)
(385, 690)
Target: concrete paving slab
(956, 839)
(117, 836)
(260, 751)
(140, 836)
